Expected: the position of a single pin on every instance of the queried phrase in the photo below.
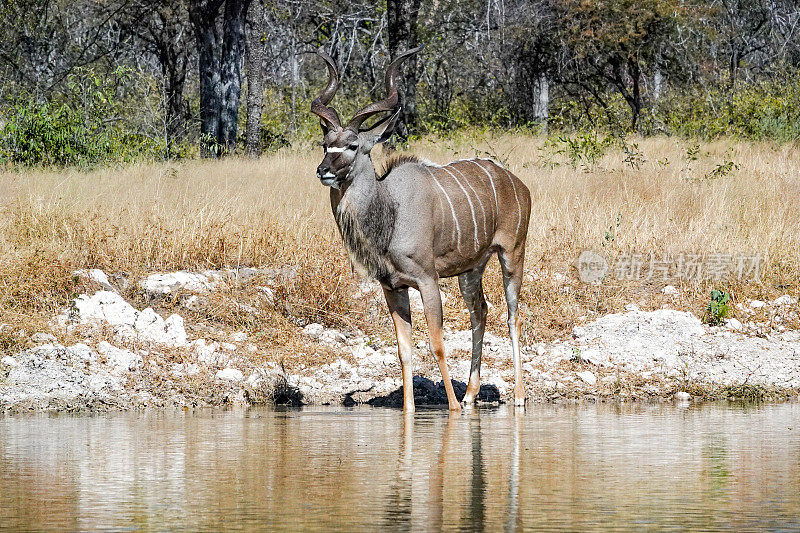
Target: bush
(761, 111)
(718, 308)
(84, 129)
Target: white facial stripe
(334, 149)
(471, 208)
(329, 175)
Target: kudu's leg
(511, 263)
(432, 302)
(397, 300)
(471, 285)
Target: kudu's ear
(326, 127)
(383, 129)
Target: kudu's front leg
(432, 302)
(397, 300)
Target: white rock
(81, 352)
(733, 324)
(161, 284)
(682, 396)
(43, 338)
(756, 304)
(238, 336)
(269, 295)
(588, 377)
(314, 330)
(332, 336)
(8, 362)
(230, 374)
(632, 307)
(96, 275)
(104, 306)
(206, 351)
(591, 355)
(670, 290)
(150, 326)
(119, 359)
(110, 308)
(174, 331)
(785, 300)
(193, 302)
(362, 350)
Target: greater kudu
(419, 222)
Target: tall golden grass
(274, 212)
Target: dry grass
(273, 212)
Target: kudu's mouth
(329, 180)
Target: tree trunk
(174, 80)
(541, 101)
(203, 15)
(231, 71)
(403, 35)
(658, 83)
(255, 78)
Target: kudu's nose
(324, 172)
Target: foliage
(718, 308)
(767, 110)
(83, 130)
(583, 149)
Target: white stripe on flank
(519, 206)
(471, 208)
(478, 197)
(452, 209)
(491, 180)
(334, 149)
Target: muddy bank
(127, 357)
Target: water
(554, 467)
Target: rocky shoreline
(130, 358)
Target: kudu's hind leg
(432, 302)
(397, 300)
(471, 285)
(511, 263)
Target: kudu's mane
(399, 160)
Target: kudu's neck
(366, 219)
(362, 188)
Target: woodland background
(85, 82)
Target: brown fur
(395, 161)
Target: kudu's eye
(353, 146)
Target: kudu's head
(347, 148)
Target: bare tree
(256, 39)
(220, 46)
(162, 29)
(403, 35)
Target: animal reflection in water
(418, 222)
(399, 509)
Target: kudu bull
(419, 222)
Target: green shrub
(718, 308)
(760, 111)
(81, 128)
